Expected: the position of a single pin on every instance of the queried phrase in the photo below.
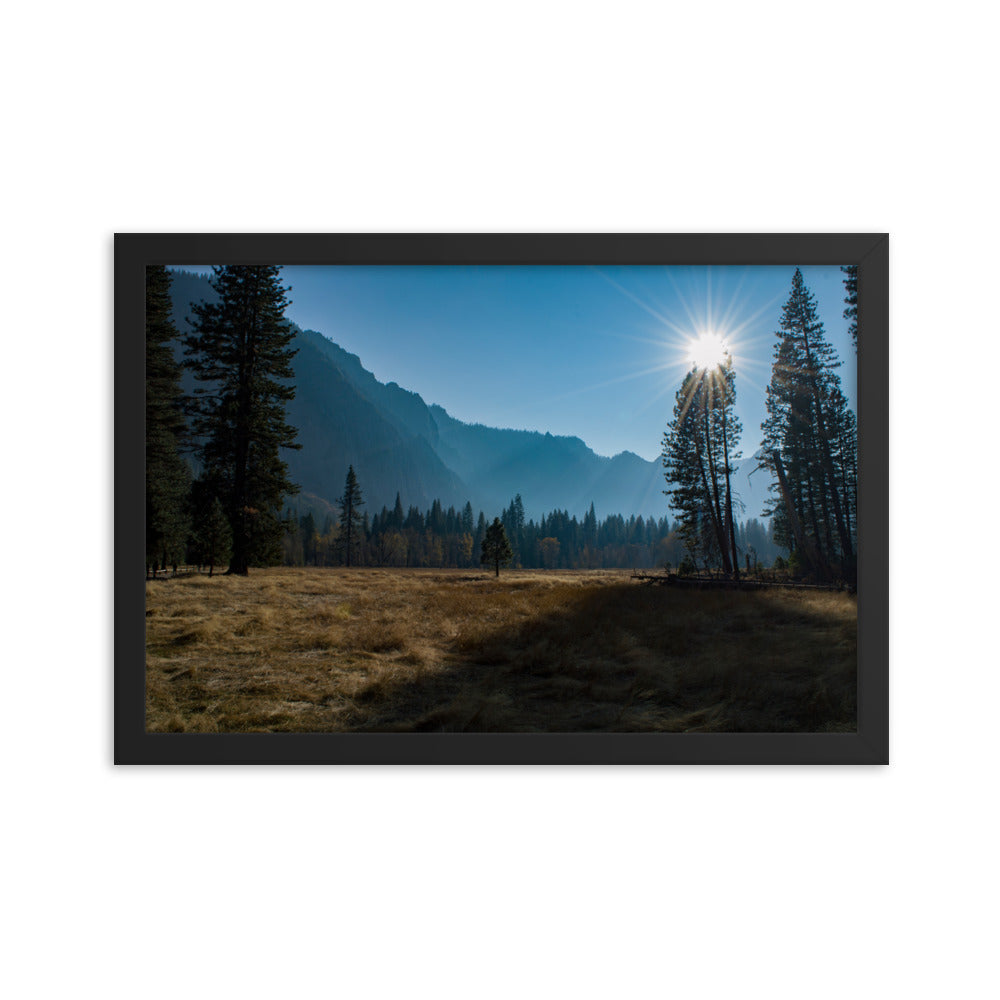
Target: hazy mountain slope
(627, 483)
(339, 427)
(548, 471)
(404, 408)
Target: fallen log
(703, 583)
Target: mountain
(338, 426)
(397, 443)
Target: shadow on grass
(626, 658)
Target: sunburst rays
(683, 320)
(689, 334)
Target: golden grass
(334, 650)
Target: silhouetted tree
(496, 549)
(435, 519)
(699, 449)
(240, 351)
(851, 300)
(810, 442)
(517, 525)
(168, 480)
(590, 535)
(351, 523)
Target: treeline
(809, 445)
(451, 538)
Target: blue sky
(594, 352)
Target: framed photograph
(501, 498)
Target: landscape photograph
(501, 498)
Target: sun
(708, 350)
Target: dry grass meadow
(334, 650)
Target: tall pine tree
(467, 518)
(699, 449)
(240, 352)
(590, 535)
(351, 530)
(167, 476)
(512, 518)
(810, 442)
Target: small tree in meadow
(496, 550)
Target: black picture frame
(869, 745)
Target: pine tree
(851, 301)
(590, 534)
(699, 449)
(810, 443)
(725, 384)
(496, 548)
(436, 519)
(351, 523)
(240, 351)
(517, 520)
(480, 535)
(167, 476)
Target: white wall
(769, 882)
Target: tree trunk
(811, 506)
(729, 494)
(240, 561)
(803, 543)
(824, 448)
(713, 496)
(720, 536)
